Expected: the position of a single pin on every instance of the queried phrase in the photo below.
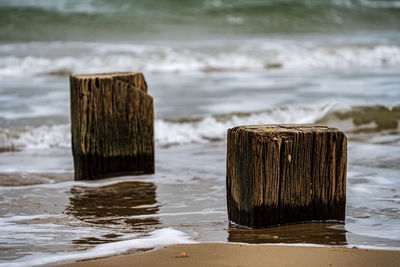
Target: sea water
(210, 65)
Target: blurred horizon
(124, 20)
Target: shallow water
(217, 65)
(187, 194)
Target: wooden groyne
(280, 174)
(112, 124)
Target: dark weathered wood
(112, 125)
(280, 174)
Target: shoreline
(228, 254)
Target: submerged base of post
(281, 174)
(112, 125)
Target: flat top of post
(269, 128)
(106, 75)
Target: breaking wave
(208, 57)
(213, 128)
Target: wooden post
(112, 125)
(280, 174)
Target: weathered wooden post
(112, 125)
(280, 174)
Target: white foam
(345, 57)
(166, 58)
(212, 128)
(162, 237)
(42, 137)
(169, 132)
(174, 132)
(39, 230)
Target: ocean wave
(253, 56)
(170, 19)
(380, 4)
(61, 6)
(43, 137)
(101, 6)
(353, 120)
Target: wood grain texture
(280, 174)
(112, 124)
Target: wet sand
(218, 254)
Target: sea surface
(210, 65)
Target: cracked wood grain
(112, 125)
(281, 174)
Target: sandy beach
(218, 254)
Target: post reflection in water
(312, 233)
(115, 207)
